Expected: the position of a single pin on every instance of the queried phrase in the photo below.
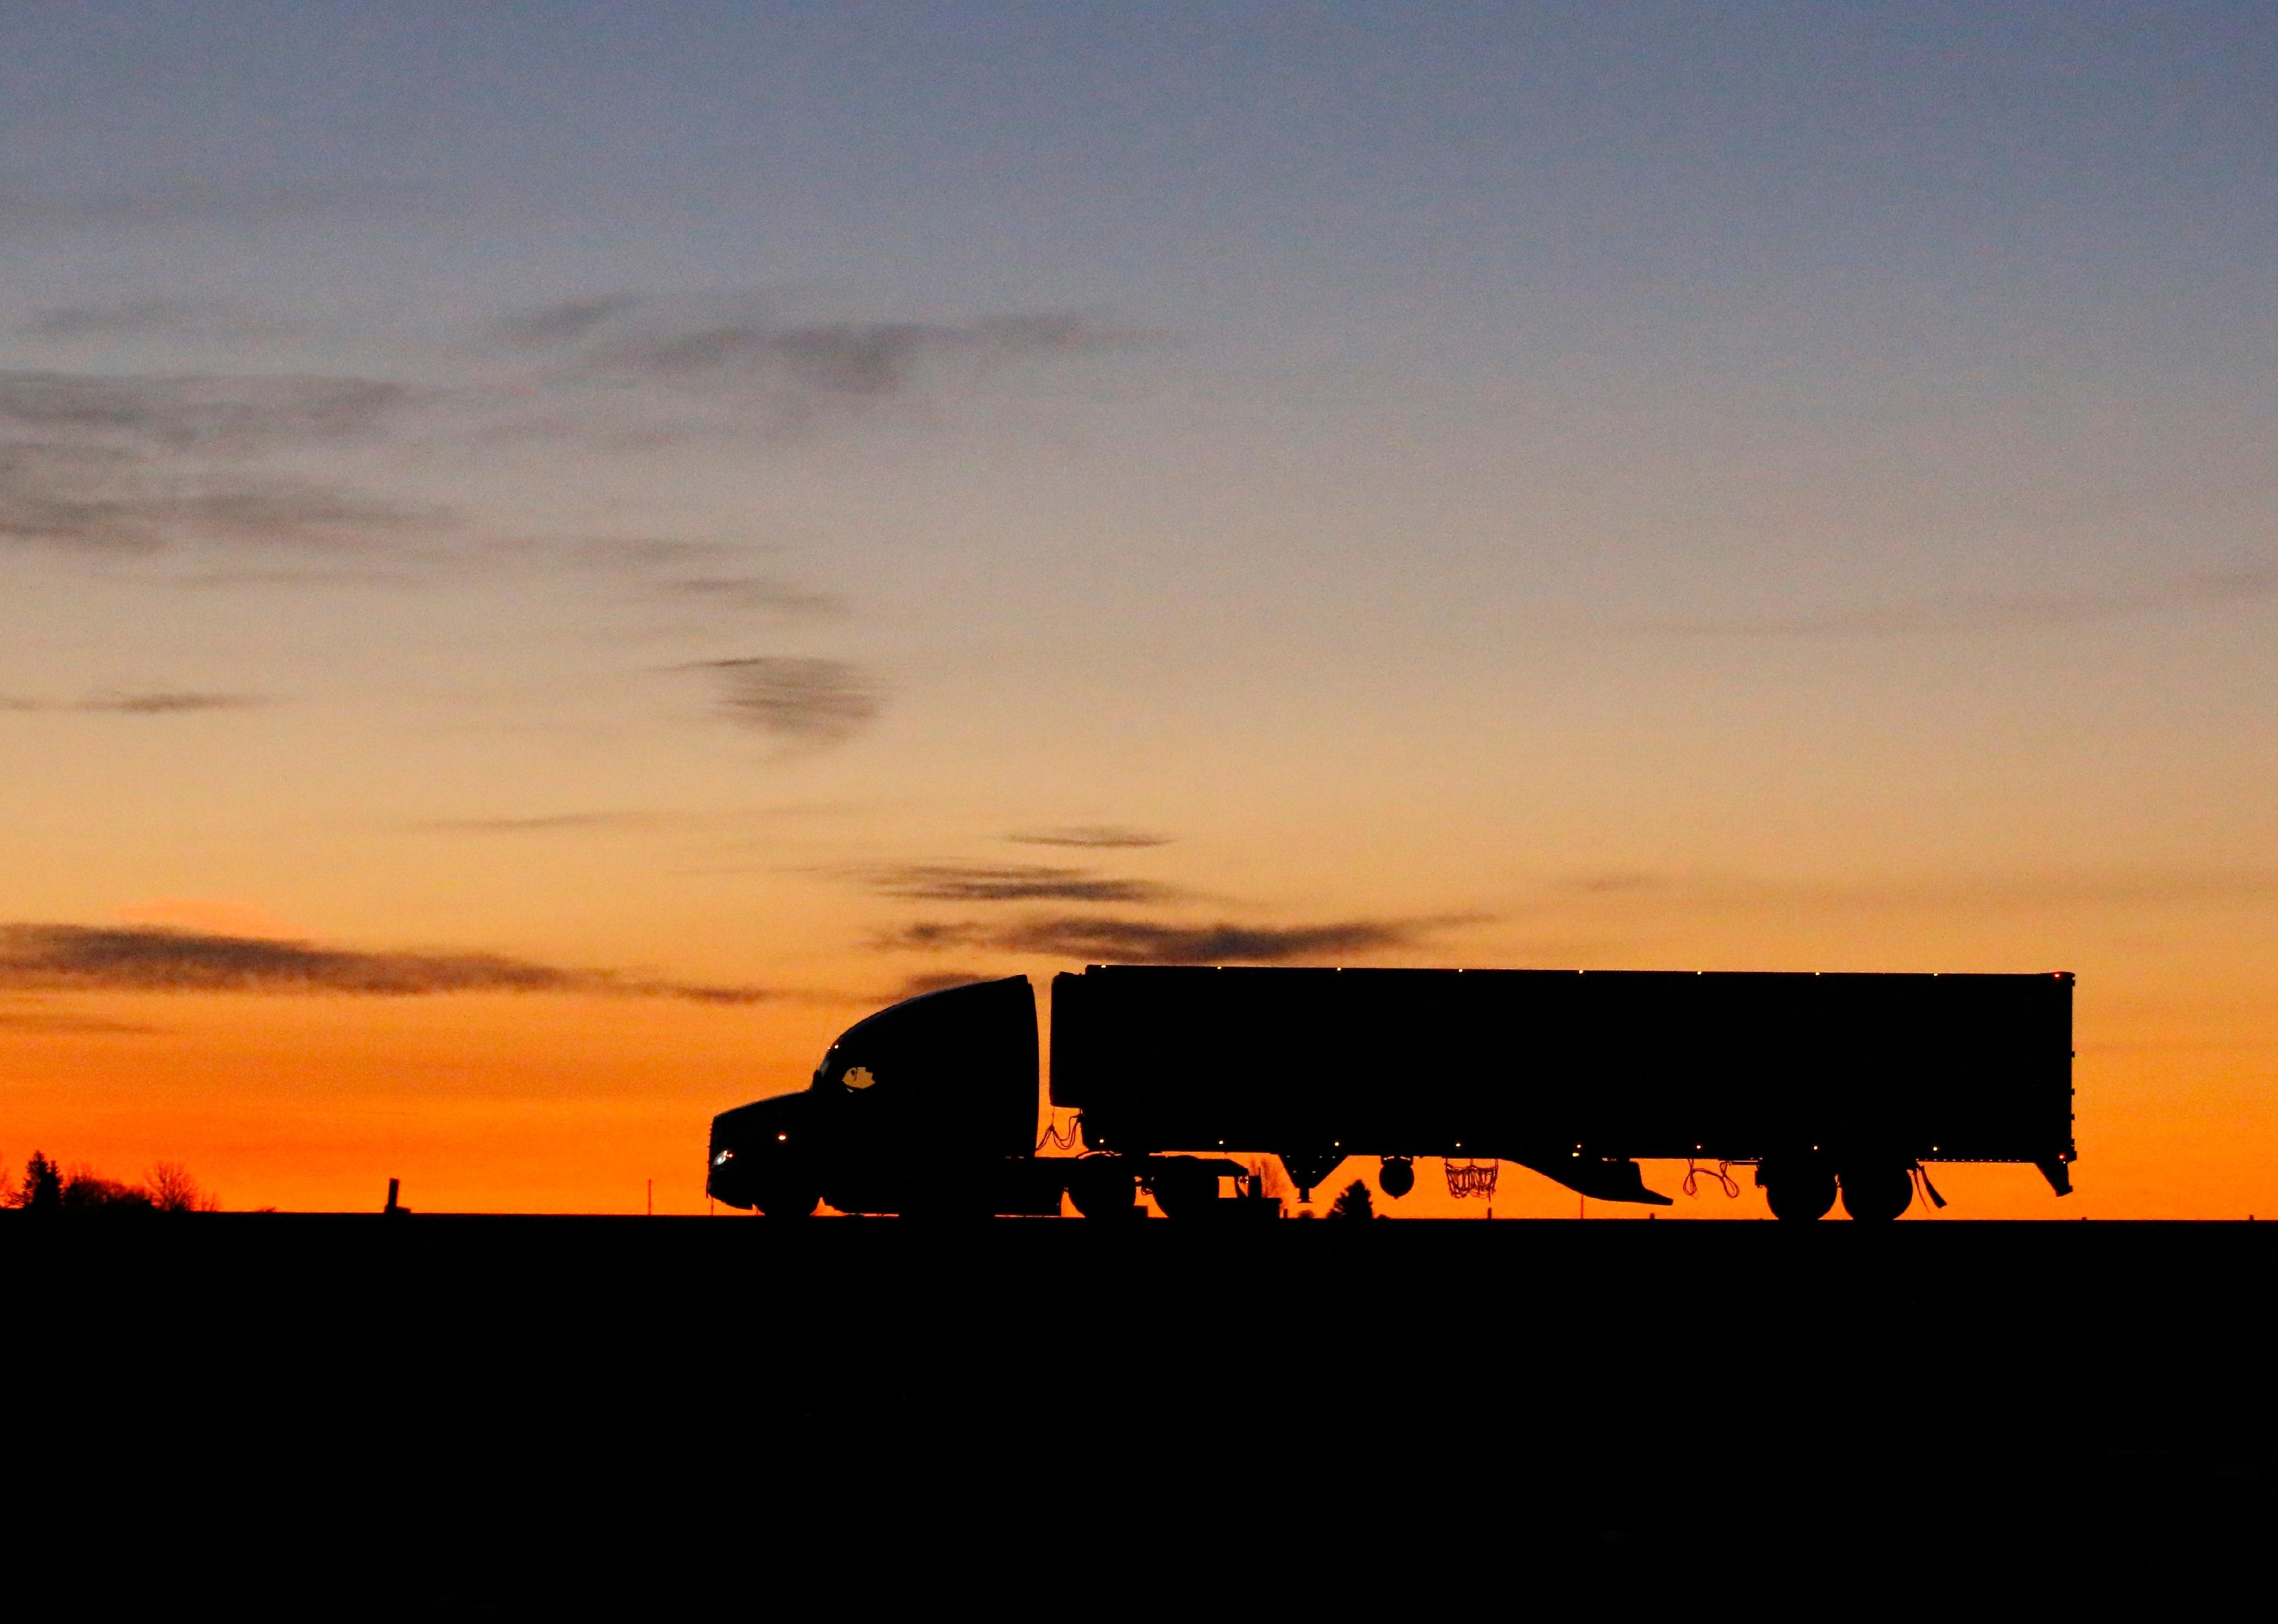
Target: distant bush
(85, 1190)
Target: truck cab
(922, 1106)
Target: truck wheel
(1878, 1192)
(1184, 1191)
(1104, 1188)
(785, 1195)
(1800, 1193)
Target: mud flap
(1601, 1178)
(2058, 1174)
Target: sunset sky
(552, 557)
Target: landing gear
(1309, 1169)
(1799, 1190)
(1877, 1192)
(1104, 1188)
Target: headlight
(723, 1157)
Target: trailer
(1181, 1078)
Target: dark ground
(401, 1417)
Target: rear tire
(786, 1194)
(1184, 1191)
(1104, 1188)
(1878, 1192)
(1799, 1193)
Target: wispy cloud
(802, 701)
(549, 823)
(1960, 612)
(938, 981)
(29, 1015)
(163, 318)
(106, 498)
(765, 593)
(157, 702)
(138, 462)
(1095, 835)
(112, 958)
(1096, 939)
(200, 412)
(186, 200)
(634, 369)
(119, 462)
(1012, 882)
(737, 341)
(565, 321)
(1961, 892)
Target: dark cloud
(565, 322)
(734, 342)
(157, 702)
(1136, 942)
(802, 701)
(1101, 836)
(855, 359)
(200, 413)
(1140, 941)
(128, 461)
(145, 959)
(106, 498)
(954, 882)
(933, 936)
(940, 981)
(1994, 611)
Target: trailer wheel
(1799, 1191)
(1104, 1187)
(1877, 1192)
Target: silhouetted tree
(1353, 1202)
(172, 1189)
(43, 1190)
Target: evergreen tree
(43, 1184)
(1353, 1202)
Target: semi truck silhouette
(1825, 1084)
